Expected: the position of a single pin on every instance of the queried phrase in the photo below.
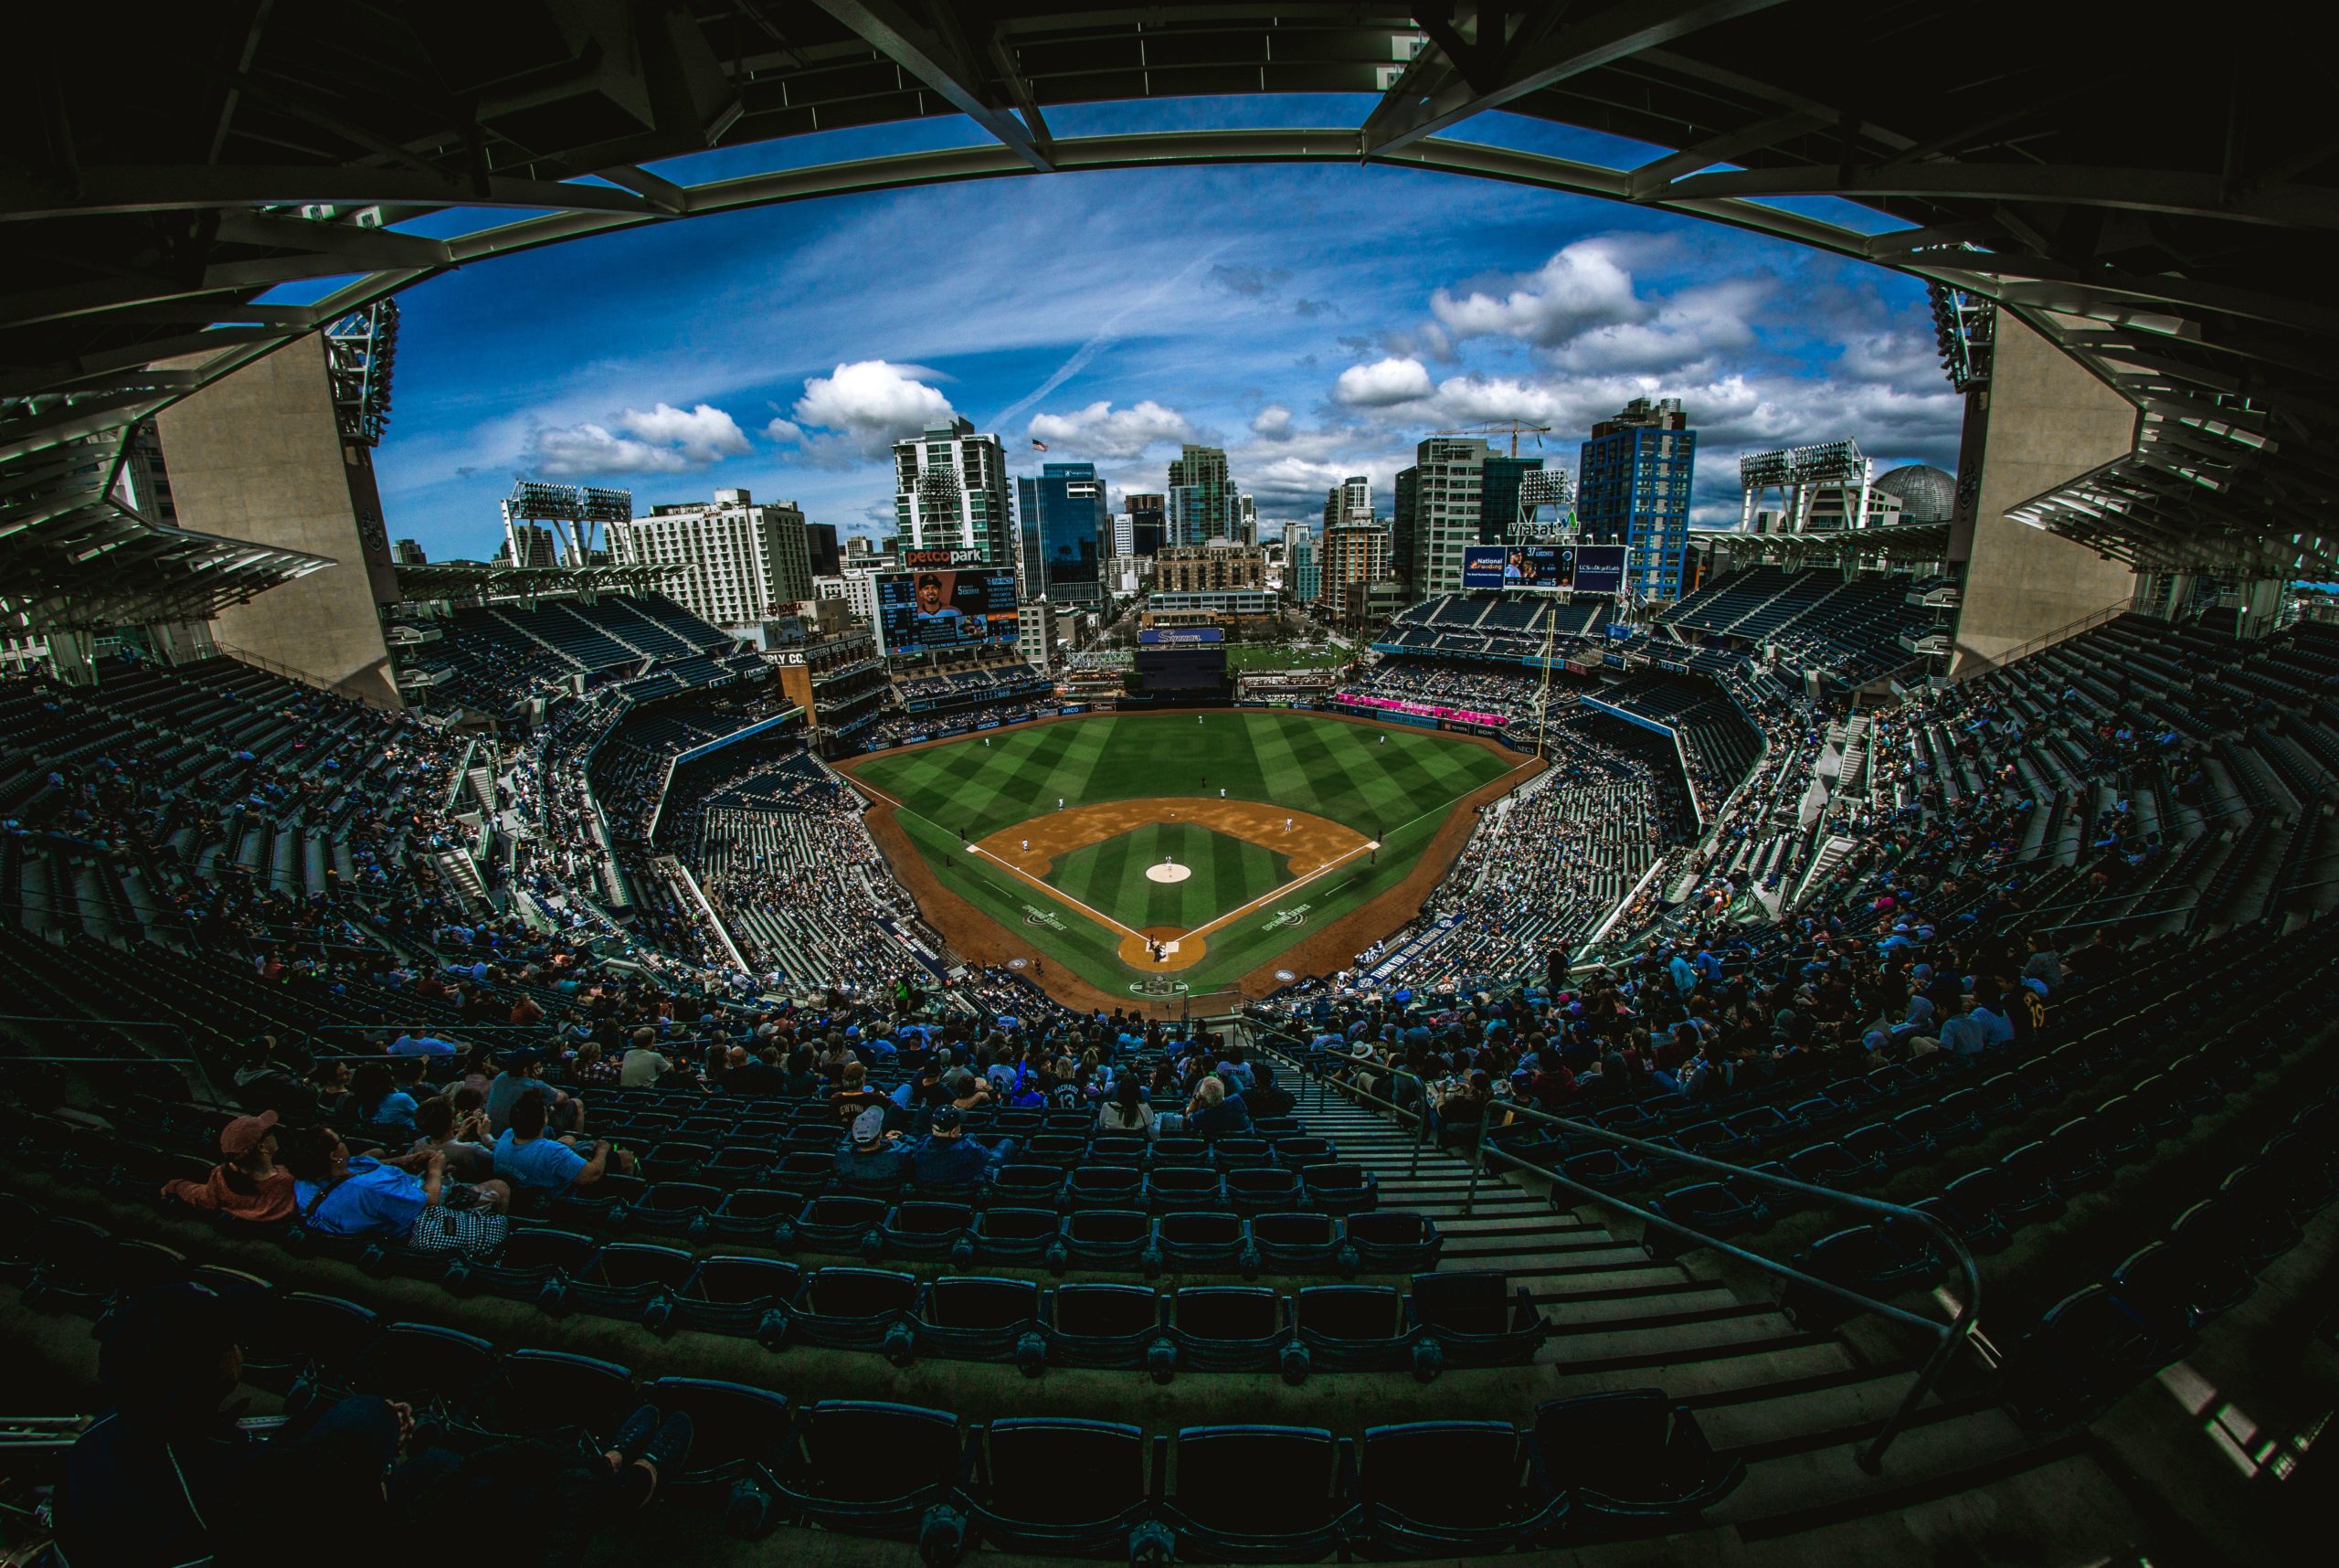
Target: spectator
(522, 1073)
(249, 1184)
(644, 1065)
(342, 1196)
(541, 1168)
(947, 1157)
(1213, 1113)
(458, 1133)
(872, 1157)
(1127, 1112)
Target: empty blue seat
(924, 1229)
(553, 1394)
(855, 1308)
(1477, 1317)
(1295, 1241)
(1632, 1454)
(2175, 1288)
(1439, 1486)
(739, 1296)
(624, 1279)
(739, 1441)
(1830, 1165)
(301, 1336)
(758, 1214)
(874, 1469)
(673, 1208)
(1339, 1189)
(1220, 1328)
(437, 1371)
(1259, 1494)
(1182, 1187)
(972, 1317)
(1201, 1241)
(2088, 1349)
(1393, 1241)
(1108, 1326)
(1352, 1328)
(1262, 1190)
(1055, 1485)
(1102, 1238)
(1106, 1187)
(1703, 1209)
(1868, 1259)
(841, 1222)
(1007, 1234)
(1027, 1186)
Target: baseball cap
(243, 1135)
(947, 1120)
(522, 1057)
(869, 1126)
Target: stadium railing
(1949, 1336)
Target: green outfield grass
(1392, 785)
(1282, 656)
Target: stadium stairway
(1796, 1406)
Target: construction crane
(1512, 427)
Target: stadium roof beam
(1495, 72)
(937, 55)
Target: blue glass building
(1067, 528)
(1632, 489)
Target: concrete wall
(2043, 419)
(257, 455)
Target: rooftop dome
(1926, 494)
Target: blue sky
(1316, 322)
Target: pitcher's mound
(1137, 955)
(1168, 871)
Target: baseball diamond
(1201, 845)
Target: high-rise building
(740, 561)
(1124, 535)
(1301, 571)
(408, 552)
(1148, 522)
(1350, 501)
(827, 556)
(1246, 518)
(1632, 489)
(1204, 501)
(1353, 553)
(1066, 528)
(950, 493)
(1439, 502)
(1499, 495)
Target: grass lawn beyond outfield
(1393, 785)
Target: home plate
(1169, 871)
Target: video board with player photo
(927, 610)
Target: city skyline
(1312, 342)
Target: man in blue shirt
(542, 1168)
(418, 1042)
(337, 1195)
(948, 1156)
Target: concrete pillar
(2041, 419)
(257, 455)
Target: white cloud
(1100, 430)
(1272, 423)
(1382, 383)
(870, 403)
(1581, 287)
(785, 431)
(660, 439)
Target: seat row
(1468, 1319)
(2096, 1343)
(1320, 1189)
(736, 1159)
(1620, 1463)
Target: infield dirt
(980, 939)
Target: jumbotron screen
(1518, 567)
(949, 607)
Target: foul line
(1270, 896)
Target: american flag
(1038, 445)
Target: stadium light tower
(574, 513)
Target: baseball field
(1144, 851)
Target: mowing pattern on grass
(1393, 786)
(1227, 872)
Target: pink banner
(1429, 710)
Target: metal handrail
(1950, 1334)
(1299, 1064)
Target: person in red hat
(247, 1184)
